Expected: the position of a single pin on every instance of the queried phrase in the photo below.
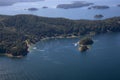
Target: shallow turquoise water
(59, 59)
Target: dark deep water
(59, 59)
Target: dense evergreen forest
(16, 30)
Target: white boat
(34, 47)
(76, 44)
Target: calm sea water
(59, 59)
(52, 11)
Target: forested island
(19, 31)
(98, 16)
(32, 9)
(75, 4)
(84, 44)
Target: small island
(83, 44)
(99, 7)
(44, 7)
(98, 16)
(118, 5)
(75, 4)
(32, 9)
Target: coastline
(11, 56)
(43, 30)
(30, 44)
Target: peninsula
(17, 32)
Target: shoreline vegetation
(19, 32)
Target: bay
(60, 59)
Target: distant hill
(10, 2)
(16, 32)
